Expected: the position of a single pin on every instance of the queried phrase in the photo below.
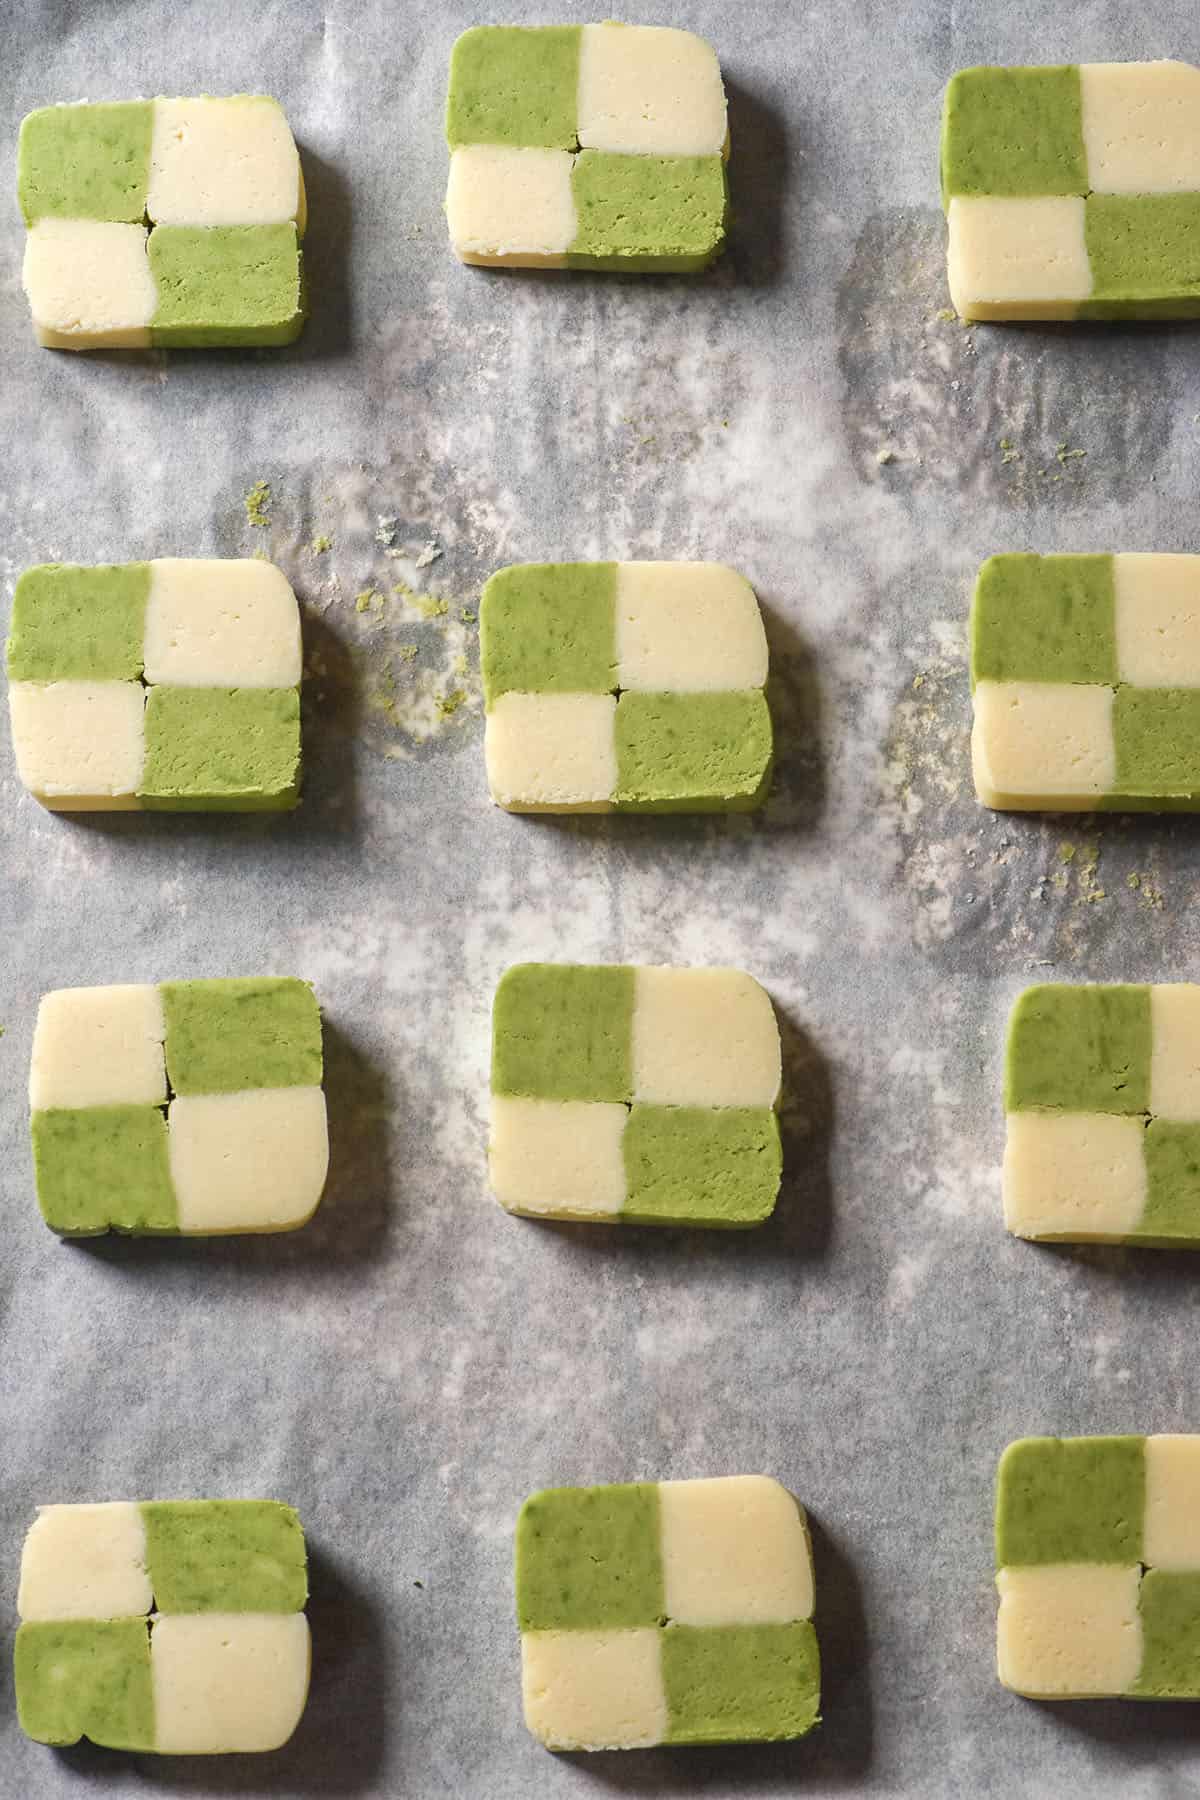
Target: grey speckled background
(408, 1368)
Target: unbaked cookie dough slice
(1102, 1095)
(1073, 192)
(193, 1107)
(640, 1096)
(628, 687)
(165, 685)
(586, 146)
(1086, 679)
(670, 1612)
(1098, 1567)
(168, 222)
(174, 1626)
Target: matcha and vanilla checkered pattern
(100, 1677)
(194, 268)
(1102, 1092)
(667, 1143)
(172, 1108)
(1098, 1559)
(649, 1614)
(1098, 166)
(80, 630)
(597, 103)
(1097, 660)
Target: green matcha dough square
(102, 1168)
(549, 628)
(1044, 618)
(587, 1559)
(226, 285)
(1172, 1182)
(1070, 1500)
(515, 85)
(1144, 251)
(729, 1684)
(251, 1032)
(701, 1165)
(1157, 735)
(563, 1031)
(86, 162)
(658, 213)
(1014, 131)
(1079, 1049)
(221, 749)
(693, 752)
(225, 1556)
(72, 622)
(1169, 1605)
(85, 1678)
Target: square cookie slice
(640, 1096)
(192, 1107)
(591, 147)
(168, 1626)
(629, 687)
(666, 1612)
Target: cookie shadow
(339, 1743)
(837, 1755)
(759, 162)
(329, 331)
(351, 1218)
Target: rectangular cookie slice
(165, 685)
(586, 147)
(171, 222)
(638, 1096)
(173, 1626)
(1073, 192)
(669, 1612)
(193, 1107)
(627, 687)
(1102, 1096)
(1086, 679)
(1098, 1567)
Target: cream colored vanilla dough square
(511, 205)
(1043, 744)
(704, 1037)
(1075, 1176)
(1011, 258)
(213, 622)
(594, 1690)
(85, 1562)
(647, 90)
(552, 752)
(558, 1158)
(1141, 127)
(99, 1046)
(223, 162)
(1175, 1051)
(228, 1681)
(79, 745)
(691, 627)
(89, 284)
(735, 1551)
(1157, 619)
(1171, 1527)
(1067, 1631)
(251, 1161)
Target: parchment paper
(413, 1364)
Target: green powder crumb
(460, 665)
(947, 316)
(363, 599)
(1008, 451)
(1133, 881)
(1066, 852)
(1065, 454)
(320, 544)
(468, 616)
(407, 652)
(258, 504)
(882, 457)
(919, 681)
(429, 606)
(448, 704)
